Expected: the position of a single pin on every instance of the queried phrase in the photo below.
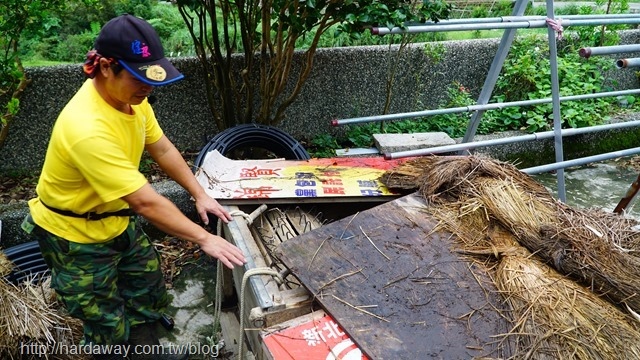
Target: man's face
(124, 88)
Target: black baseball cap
(134, 43)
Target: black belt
(90, 215)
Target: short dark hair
(116, 68)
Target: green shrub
(526, 75)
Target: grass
(35, 62)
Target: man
(104, 268)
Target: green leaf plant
(265, 33)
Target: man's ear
(105, 67)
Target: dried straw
(552, 316)
(450, 178)
(30, 315)
(584, 246)
(6, 266)
(555, 318)
(499, 213)
(521, 212)
(406, 175)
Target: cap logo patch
(156, 73)
(140, 48)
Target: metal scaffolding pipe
(497, 64)
(491, 106)
(608, 50)
(625, 63)
(580, 161)
(508, 140)
(513, 18)
(555, 95)
(517, 21)
(532, 24)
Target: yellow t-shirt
(91, 162)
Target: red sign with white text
(318, 339)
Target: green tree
(17, 17)
(265, 33)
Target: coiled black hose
(28, 263)
(265, 137)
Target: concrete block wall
(344, 83)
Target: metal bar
(491, 106)
(528, 24)
(608, 50)
(255, 282)
(580, 161)
(555, 96)
(494, 72)
(512, 18)
(508, 140)
(626, 63)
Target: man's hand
(206, 205)
(172, 163)
(224, 251)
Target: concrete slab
(390, 143)
(192, 310)
(357, 152)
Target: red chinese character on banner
(333, 190)
(332, 182)
(329, 173)
(255, 172)
(259, 192)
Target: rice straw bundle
(6, 266)
(405, 176)
(583, 246)
(521, 212)
(590, 247)
(553, 316)
(451, 178)
(30, 315)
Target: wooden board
(295, 181)
(423, 299)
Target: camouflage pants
(110, 286)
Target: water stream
(597, 185)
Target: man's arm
(161, 212)
(171, 162)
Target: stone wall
(344, 83)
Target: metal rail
(515, 24)
(510, 25)
(470, 108)
(509, 140)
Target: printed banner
(336, 178)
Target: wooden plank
(230, 328)
(297, 302)
(409, 295)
